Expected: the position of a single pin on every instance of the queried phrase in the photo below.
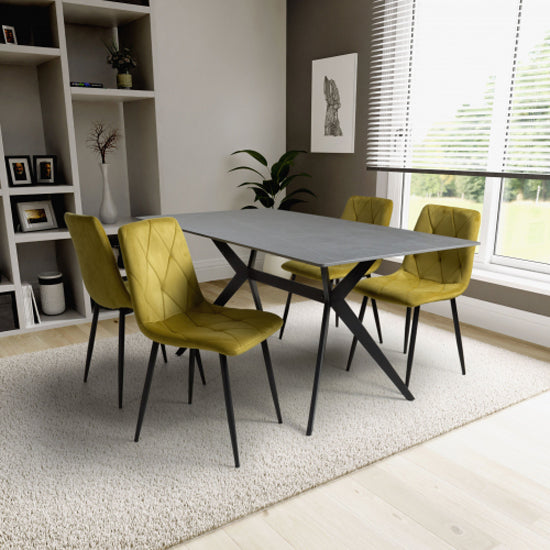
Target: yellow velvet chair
(431, 276)
(103, 282)
(373, 210)
(170, 309)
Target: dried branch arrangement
(103, 139)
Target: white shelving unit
(60, 41)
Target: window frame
(488, 265)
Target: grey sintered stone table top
(318, 240)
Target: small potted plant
(123, 61)
(270, 190)
(103, 140)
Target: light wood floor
(485, 485)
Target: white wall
(221, 85)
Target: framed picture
(9, 35)
(45, 168)
(333, 91)
(19, 170)
(36, 215)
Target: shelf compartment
(42, 236)
(102, 13)
(6, 286)
(40, 190)
(26, 55)
(68, 317)
(110, 95)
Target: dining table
(323, 242)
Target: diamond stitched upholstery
(432, 276)
(97, 262)
(374, 210)
(168, 303)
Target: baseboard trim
(516, 323)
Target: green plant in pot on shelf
(104, 140)
(123, 61)
(269, 191)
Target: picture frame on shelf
(45, 169)
(19, 170)
(36, 215)
(8, 33)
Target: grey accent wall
(318, 29)
(325, 28)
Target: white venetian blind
(460, 86)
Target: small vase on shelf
(124, 80)
(107, 210)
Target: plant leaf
(249, 207)
(287, 204)
(290, 178)
(247, 168)
(251, 184)
(301, 190)
(254, 154)
(289, 156)
(271, 186)
(260, 193)
(265, 200)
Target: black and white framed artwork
(333, 97)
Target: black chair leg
(412, 344)
(199, 364)
(354, 341)
(333, 283)
(91, 340)
(146, 388)
(271, 378)
(121, 328)
(287, 307)
(407, 329)
(191, 375)
(229, 408)
(377, 320)
(458, 335)
(164, 356)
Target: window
(459, 114)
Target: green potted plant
(270, 190)
(123, 61)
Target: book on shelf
(30, 306)
(80, 84)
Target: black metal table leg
(287, 308)
(321, 349)
(252, 282)
(357, 328)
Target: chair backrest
(97, 262)
(368, 210)
(160, 272)
(446, 266)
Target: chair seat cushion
(406, 289)
(224, 330)
(313, 272)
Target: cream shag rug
(72, 477)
